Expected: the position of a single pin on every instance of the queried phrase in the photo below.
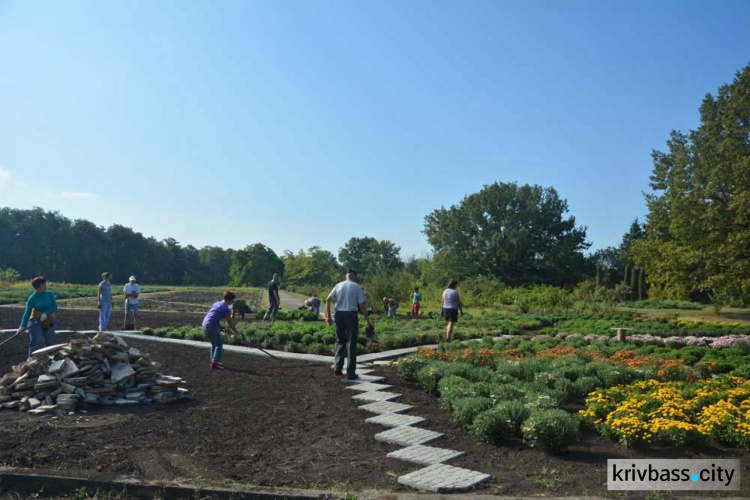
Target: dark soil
(284, 424)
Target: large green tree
(517, 233)
(254, 265)
(698, 225)
(315, 267)
(369, 256)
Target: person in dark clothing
(273, 298)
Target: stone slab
(384, 407)
(425, 455)
(441, 478)
(365, 378)
(376, 396)
(40, 353)
(407, 435)
(367, 387)
(394, 420)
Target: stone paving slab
(407, 435)
(395, 353)
(366, 387)
(366, 378)
(442, 478)
(394, 420)
(425, 455)
(384, 407)
(376, 396)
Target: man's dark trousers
(347, 330)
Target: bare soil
(287, 423)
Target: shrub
(283, 337)
(175, 334)
(452, 388)
(429, 377)
(308, 339)
(550, 430)
(506, 392)
(294, 347)
(465, 410)
(585, 385)
(408, 367)
(329, 339)
(540, 400)
(501, 422)
(196, 335)
(147, 331)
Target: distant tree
(315, 267)
(214, 264)
(254, 265)
(369, 256)
(516, 233)
(698, 225)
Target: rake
(244, 341)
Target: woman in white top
(450, 303)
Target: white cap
(132, 278)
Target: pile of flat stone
(101, 370)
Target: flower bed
(673, 413)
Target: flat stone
(46, 378)
(383, 407)
(425, 455)
(40, 353)
(368, 387)
(69, 368)
(376, 396)
(365, 378)
(441, 478)
(394, 420)
(121, 370)
(122, 401)
(56, 366)
(37, 412)
(407, 435)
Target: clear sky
(301, 123)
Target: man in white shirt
(131, 291)
(349, 298)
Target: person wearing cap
(349, 298)
(38, 317)
(131, 291)
(273, 298)
(390, 305)
(104, 301)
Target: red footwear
(215, 365)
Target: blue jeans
(38, 337)
(347, 331)
(217, 343)
(104, 312)
(392, 311)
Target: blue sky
(301, 123)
